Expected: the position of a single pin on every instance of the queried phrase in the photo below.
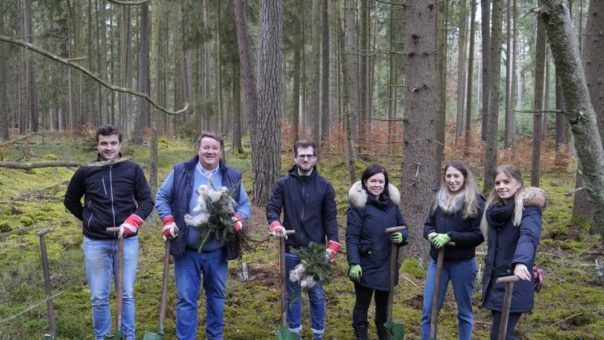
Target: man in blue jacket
(309, 207)
(177, 197)
(116, 194)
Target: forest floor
(570, 306)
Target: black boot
(382, 331)
(360, 330)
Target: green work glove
(441, 240)
(355, 272)
(432, 236)
(396, 237)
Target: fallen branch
(45, 164)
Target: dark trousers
(512, 322)
(362, 302)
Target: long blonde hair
(468, 189)
(510, 171)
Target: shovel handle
(164, 287)
(436, 294)
(395, 229)
(507, 279)
(50, 309)
(283, 276)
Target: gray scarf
(450, 203)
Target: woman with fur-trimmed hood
(512, 222)
(372, 209)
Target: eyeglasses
(306, 156)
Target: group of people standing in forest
(116, 194)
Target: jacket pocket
(366, 247)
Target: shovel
(435, 297)
(395, 329)
(507, 302)
(284, 333)
(118, 287)
(50, 310)
(164, 293)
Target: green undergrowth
(571, 305)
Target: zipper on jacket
(104, 185)
(111, 190)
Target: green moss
(412, 267)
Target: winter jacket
(465, 232)
(509, 245)
(367, 243)
(111, 193)
(309, 208)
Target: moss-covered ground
(571, 305)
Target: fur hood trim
(357, 196)
(533, 196)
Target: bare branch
(48, 164)
(127, 3)
(90, 74)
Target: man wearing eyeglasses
(308, 204)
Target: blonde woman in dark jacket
(373, 208)
(454, 223)
(512, 222)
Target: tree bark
(5, 109)
(315, 71)
(421, 157)
(143, 76)
(490, 163)
(485, 6)
(469, 87)
(580, 111)
(270, 99)
(30, 73)
(325, 75)
(538, 105)
(461, 68)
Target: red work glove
(130, 226)
(237, 222)
(276, 229)
(170, 230)
(332, 250)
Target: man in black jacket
(116, 194)
(309, 207)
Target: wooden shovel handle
(395, 229)
(506, 279)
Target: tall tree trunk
(333, 96)
(297, 66)
(237, 146)
(351, 76)
(485, 6)
(143, 76)
(469, 87)
(270, 99)
(154, 84)
(509, 114)
(5, 108)
(32, 91)
(580, 110)
(325, 59)
(364, 79)
(538, 104)
(492, 121)
(315, 71)
(461, 68)
(594, 68)
(421, 157)
(441, 73)
(124, 76)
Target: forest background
(404, 83)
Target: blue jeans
(100, 258)
(294, 302)
(188, 270)
(461, 274)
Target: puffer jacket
(309, 207)
(509, 245)
(465, 232)
(367, 243)
(111, 193)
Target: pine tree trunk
(325, 75)
(461, 68)
(580, 111)
(143, 76)
(538, 105)
(30, 73)
(469, 87)
(315, 73)
(421, 159)
(485, 6)
(492, 122)
(5, 109)
(509, 114)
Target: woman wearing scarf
(512, 221)
(454, 223)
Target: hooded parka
(367, 243)
(509, 245)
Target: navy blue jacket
(182, 190)
(509, 245)
(367, 243)
(465, 232)
(309, 207)
(111, 194)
